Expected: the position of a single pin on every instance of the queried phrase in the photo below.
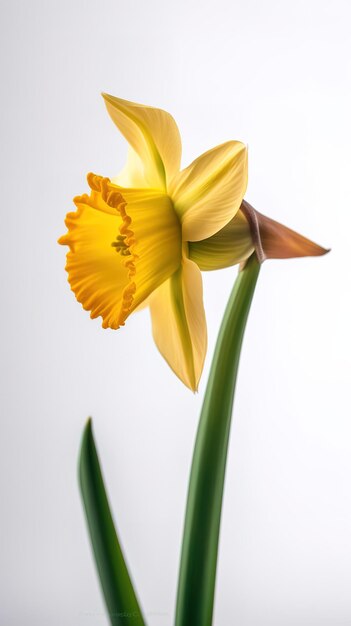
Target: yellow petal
(179, 324)
(132, 174)
(154, 137)
(208, 193)
(231, 245)
(120, 253)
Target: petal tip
(111, 100)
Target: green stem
(198, 565)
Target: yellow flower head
(142, 238)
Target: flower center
(121, 246)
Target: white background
(275, 75)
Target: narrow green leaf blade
(198, 565)
(120, 598)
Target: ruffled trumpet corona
(142, 238)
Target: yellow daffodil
(143, 237)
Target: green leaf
(120, 598)
(198, 565)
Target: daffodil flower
(143, 237)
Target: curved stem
(198, 565)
